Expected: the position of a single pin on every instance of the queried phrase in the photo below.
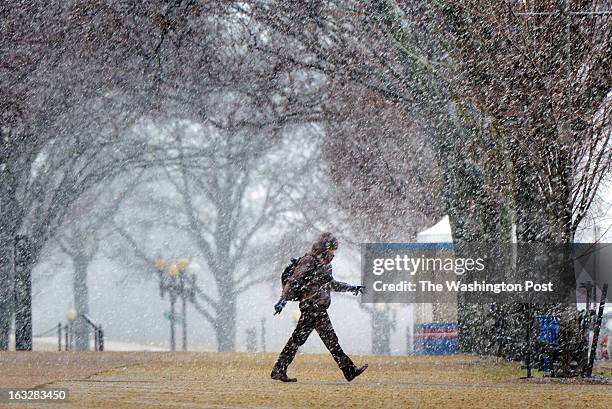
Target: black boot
(281, 375)
(354, 372)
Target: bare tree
(79, 238)
(517, 118)
(384, 171)
(543, 83)
(227, 204)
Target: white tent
(438, 233)
(422, 313)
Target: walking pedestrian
(311, 284)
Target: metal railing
(98, 333)
(66, 333)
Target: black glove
(356, 289)
(278, 307)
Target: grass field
(241, 380)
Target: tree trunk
(381, 332)
(548, 220)
(23, 293)
(225, 324)
(81, 304)
(6, 295)
(9, 221)
(480, 208)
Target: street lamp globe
(173, 270)
(71, 314)
(181, 265)
(160, 264)
(194, 268)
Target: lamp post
(178, 280)
(71, 315)
(188, 292)
(383, 319)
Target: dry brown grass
(209, 380)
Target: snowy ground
(211, 380)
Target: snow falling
(162, 162)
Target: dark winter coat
(312, 281)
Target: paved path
(241, 380)
(30, 369)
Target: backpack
(288, 272)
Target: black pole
(59, 336)
(100, 338)
(23, 294)
(66, 337)
(584, 355)
(602, 304)
(184, 312)
(71, 335)
(172, 322)
(528, 354)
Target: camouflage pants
(319, 321)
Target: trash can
(435, 338)
(549, 337)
